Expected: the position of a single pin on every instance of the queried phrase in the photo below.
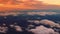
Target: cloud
(29, 13)
(3, 29)
(45, 22)
(16, 27)
(42, 13)
(49, 22)
(43, 30)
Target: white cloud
(49, 22)
(43, 30)
(3, 29)
(45, 22)
(18, 28)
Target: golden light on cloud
(28, 4)
(54, 2)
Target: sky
(55, 2)
(29, 4)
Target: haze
(29, 4)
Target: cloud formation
(43, 30)
(3, 29)
(41, 13)
(16, 27)
(45, 22)
(51, 23)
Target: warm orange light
(26, 4)
(53, 2)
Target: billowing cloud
(51, 23)
(43, 30)
(45, 22)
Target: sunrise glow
(54, 2)
(28, 4)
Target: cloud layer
(43, 30)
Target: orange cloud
(24, 4)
